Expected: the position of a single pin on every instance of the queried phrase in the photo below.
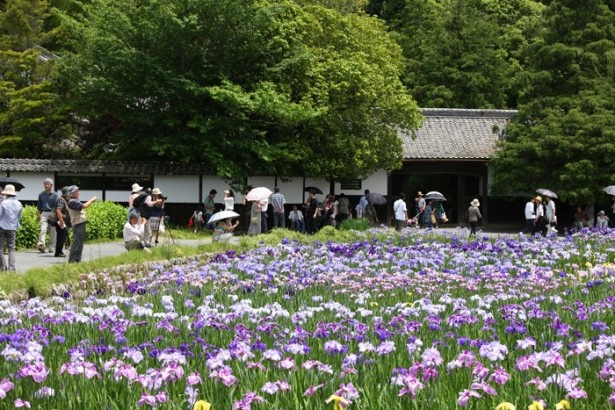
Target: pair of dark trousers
(7, 237)
(60, 239)
(278, 219)
(529, 226)
(76, 247)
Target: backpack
(139, 204)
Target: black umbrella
(10, 180)
(313, 188)
(376, 198)
(435, 195)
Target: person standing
(311, 214)
(427, 213)
(550, 214)
(612, 219)
(277, 202)
(264, 204)
(63, 222)
(10, 215)
(419, 207)
(155, 223)
(363, 203)
(209, 207)
(401, 213)
(229, 200)
(530, 216)
(474, 215)
(46, 203)
(78, 220)
(540, 223)
(255, 219)
(136, 191)
(343, 208)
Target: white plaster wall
(33, 184)
(185, 188)
(377, 182)
(179, 188)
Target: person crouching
(133, 233)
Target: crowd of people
(59, 212)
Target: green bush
(359, 224)
(27, 234)
(105, 221)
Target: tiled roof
(97, 167)
(446, 134)
(456, 134)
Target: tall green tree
(461, 53)
(33, 118)
(246, 86)
(563, 137)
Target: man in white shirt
(539, 222)
(550, 213)
(401, 212)
(530, 216)
(264, 204)
(133, 234)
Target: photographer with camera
(157, 214)
(144, 204)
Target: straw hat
(136, 188)
(156, 191)
(475, 202)
(538, 198)
(9, 190)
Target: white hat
(136, 188)
(475, 202)
(9, 190)
(156, 191)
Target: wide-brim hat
(156, 191)
(72, 189)
(65, 191)
(136, 188)
(9, 190)
(538, 198)
(475, 202)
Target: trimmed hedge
(105, 221)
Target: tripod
(156, 224)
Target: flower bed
(399, 322)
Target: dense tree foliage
(291, 87)
(564, 134)
(462, 53)
(250, 87)
(33, 119)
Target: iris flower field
(388, 321)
